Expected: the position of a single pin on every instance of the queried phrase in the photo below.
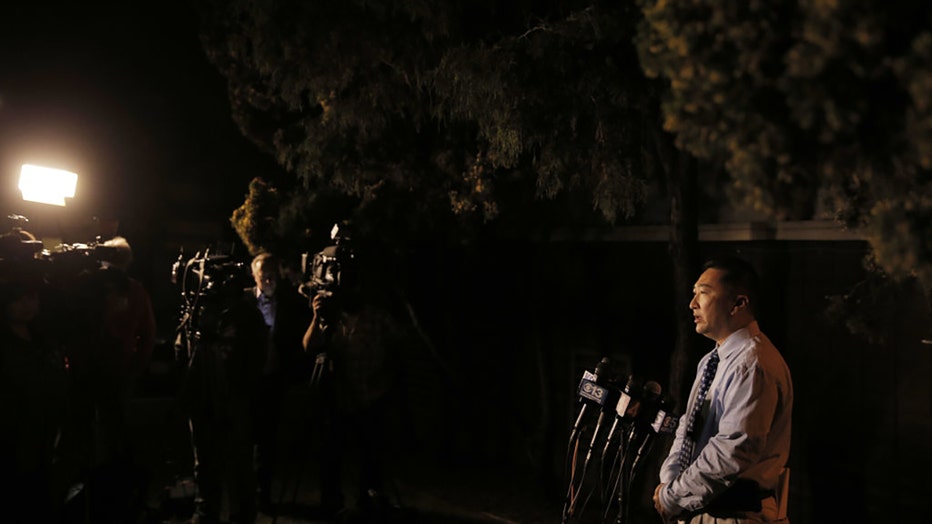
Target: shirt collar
(738, 340)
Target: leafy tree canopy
(795, 95)
(430, 114)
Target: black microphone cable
(608, 404)
(625, 410)
(650, 394)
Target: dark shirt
(287, 314)
(32, 402)
(115, 333)
(361, 345)
(225, 369)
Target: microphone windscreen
(652, 389)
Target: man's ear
(741, 301)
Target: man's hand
(319, 305)
(319, 302)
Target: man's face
(712, 305)
(266, 276)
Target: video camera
(60, 266)
(208, 275)
(333, 268)
(70, 260)
(207, 282)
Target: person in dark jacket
(219, 392)
(285, 313)
(33, 397)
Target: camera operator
(112, 339)
(117, 336)
(286, 314)
(33, 394)
(219, 393)
(352, 336)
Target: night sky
(123, 95)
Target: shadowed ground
(419, 491)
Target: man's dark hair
(739, 278)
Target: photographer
(352, 336)
(227, 355)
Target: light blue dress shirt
(745, 426)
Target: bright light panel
(46, 185)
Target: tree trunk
(680, 171)
(684, 251)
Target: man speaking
(728, 461)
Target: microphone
(593, 391)
(650, 394)
(646, 411)
(625, 409)
(607, 399)
(629, 401)
(664, 423)
(639, 422)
